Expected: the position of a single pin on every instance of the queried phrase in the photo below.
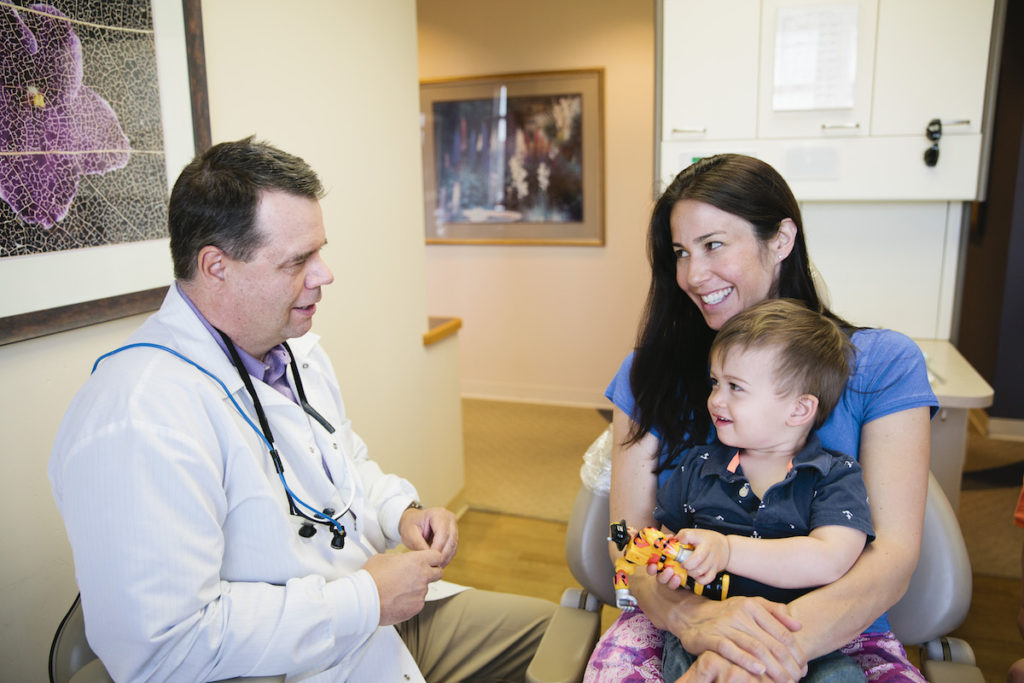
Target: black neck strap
(257, 405)
(326, 518)
(302, 393)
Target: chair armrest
(951, 672)
(949, 660)
(565, 649)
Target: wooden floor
(991, 625)
(527, 556)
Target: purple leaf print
(52, 128)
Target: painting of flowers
(521, 161)
(514, 159)
(81, 143)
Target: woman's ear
(784, 240)
(805, 408)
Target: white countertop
(955, 381)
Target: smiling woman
(721, 265)
(726, 234)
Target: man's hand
(402, 580)
(434, 528)
(710, 553)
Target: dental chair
(73, 661)
(935, 603)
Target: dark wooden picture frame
(33, 324)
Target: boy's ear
(805, 407)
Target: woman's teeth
(716, 297)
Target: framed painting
(110, 104)
(514, 159)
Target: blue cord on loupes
(278, 466)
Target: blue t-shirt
(889, 376)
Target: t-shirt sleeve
(891, 374)
(619, 391)
(841, 498)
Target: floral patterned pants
(630, 651)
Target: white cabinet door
(808, 41)
(858, 139)
(941, 76)
(709, 69)
(889, 264)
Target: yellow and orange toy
(651, 546)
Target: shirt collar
(277, 357)
(723, 461)
(813, 454)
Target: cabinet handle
(840, 126)
(691, 131)
(956, 122)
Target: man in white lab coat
(224, 518)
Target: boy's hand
(710, 553)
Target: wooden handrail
(439, 328)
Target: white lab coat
(189, 565)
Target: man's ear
(211, 265)
(805, 408)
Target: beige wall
(37, 581)
(346, 100)
(551, 324)
(354, 119)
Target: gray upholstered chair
(936, 602)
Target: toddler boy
(766, 502)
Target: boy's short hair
(813, 355)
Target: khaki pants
(476, 635)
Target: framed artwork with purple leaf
(101, 102)
(514, 159)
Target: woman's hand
(711, 667)
(751, 633)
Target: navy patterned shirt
(708, 491)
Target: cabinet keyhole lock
(934, 133)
